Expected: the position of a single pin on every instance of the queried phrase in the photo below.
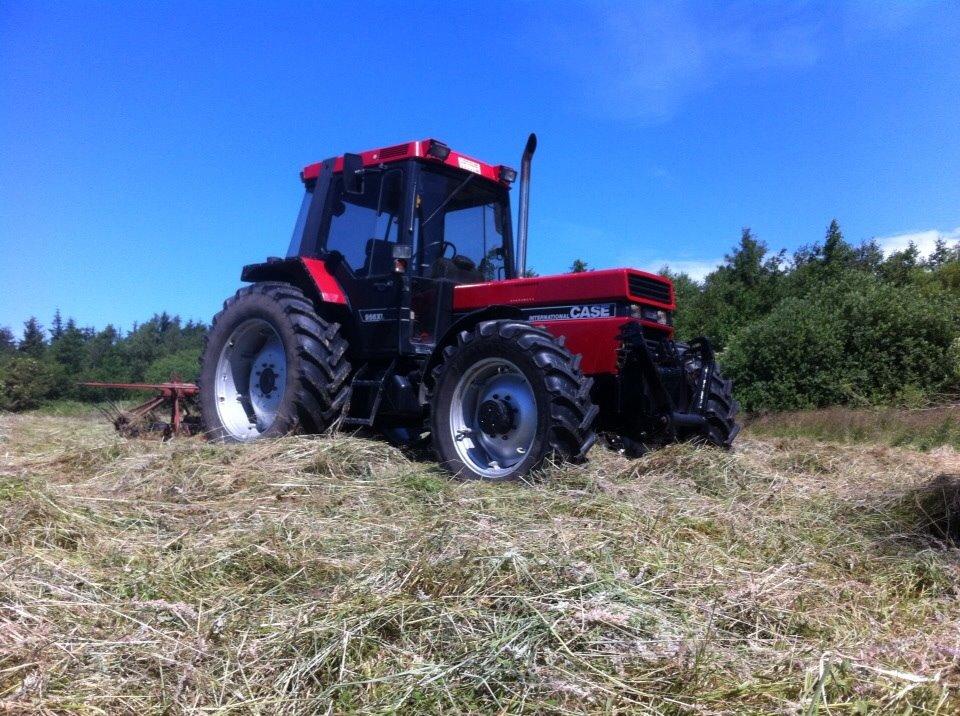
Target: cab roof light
(507, 174)
(439, 150)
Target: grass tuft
(937, 507)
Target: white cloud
(698, 269)
(925, 241)
(645, 60)
(695, 269)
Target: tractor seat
(378, 257)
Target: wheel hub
(493, 417)
(268, 380)
(496, 416)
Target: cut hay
(332, 575)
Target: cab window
(473, 231)
(364, 227)
(294, 249)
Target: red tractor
(403, 306)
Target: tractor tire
(720, 407)
(506, 397)
(720, 410)
(271, 366)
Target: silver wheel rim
(493, 453)
(251, 379)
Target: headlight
(649, 313)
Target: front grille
(644, 287)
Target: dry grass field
(923, 428)
(333, 575)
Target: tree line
(831, 323)
(48, 363)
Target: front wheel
(271, 366)
(507, 397)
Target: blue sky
(147, 153)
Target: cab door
(364, 229)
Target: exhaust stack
(524, 210)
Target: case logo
(566, 313)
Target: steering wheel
(443, 248)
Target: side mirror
(352, 174)
(498, 218)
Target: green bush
(25, 382)
(857, 340)
(184, 365)
(763, 359)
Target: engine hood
(622, 284)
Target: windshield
(461, 219)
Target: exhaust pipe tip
(530, 147)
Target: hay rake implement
(175, 398)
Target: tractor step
(366, 394)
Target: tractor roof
(428, 149)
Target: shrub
(764, 357)
(184, 365)
(857, 340)
(25, 382)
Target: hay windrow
(325, 574)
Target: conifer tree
(57, 330)
(33, 342)
(8, 343)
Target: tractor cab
(398, 228)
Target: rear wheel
(271, 366)
(507, 397)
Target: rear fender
(309, 275)
(464, 323)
